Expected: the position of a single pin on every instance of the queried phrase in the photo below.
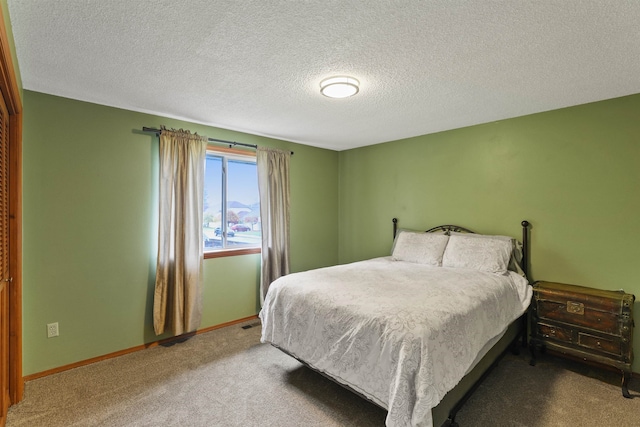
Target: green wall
(90, 227)
(573, 173)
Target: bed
(413, 332)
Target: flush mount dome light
(339, 87)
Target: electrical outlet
(52, 330)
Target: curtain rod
(222, 141)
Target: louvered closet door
(4, 260)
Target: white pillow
(421, 248)
(485, 254)
(515, 262)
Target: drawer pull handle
(575, 307)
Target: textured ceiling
(255, 66)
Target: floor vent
(251, 325)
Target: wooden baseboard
(185, 336)
(134, 349)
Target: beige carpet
(227, 378)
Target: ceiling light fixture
(339, 87)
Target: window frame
(225, 252)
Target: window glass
(231, 181)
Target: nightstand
(592, 324)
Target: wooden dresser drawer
(555, 332)
(609, 345)
(576, 313)
(593, 324)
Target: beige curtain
(273, 184)
(177, 303)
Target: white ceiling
(255, 66)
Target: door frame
(11, 93)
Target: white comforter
(402, 334)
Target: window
(231, 181)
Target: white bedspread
(402, 334)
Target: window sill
(231, 252)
